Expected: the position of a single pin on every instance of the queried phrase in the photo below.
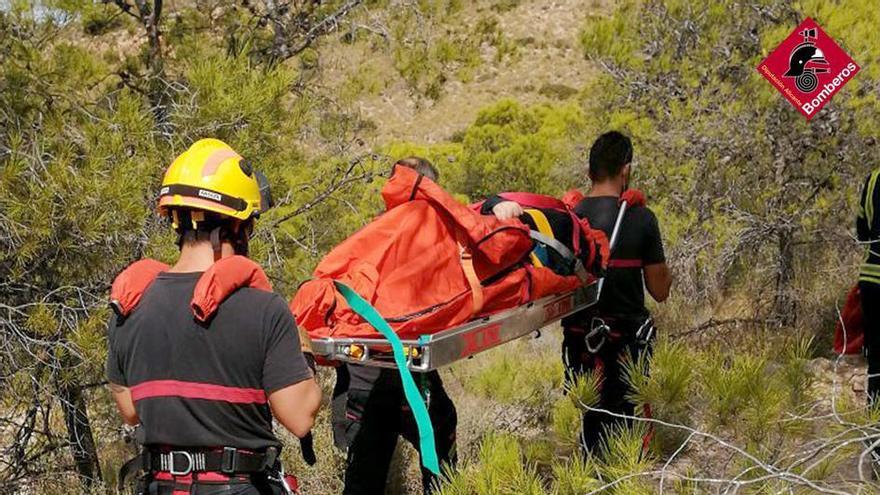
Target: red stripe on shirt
(195, 390)
(631, 263)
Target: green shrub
(440, 50)
(557, 91)
(624, 457)
(575, 477)
(509, 379)
(668, 390)
(584, 392)
(729, 382)
(500, 470)
(566, 420)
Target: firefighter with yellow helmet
(211, 184)
(202, 354)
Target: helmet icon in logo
(802, 64)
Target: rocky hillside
(526, 50)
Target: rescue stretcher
(434, 351)
(430, 352)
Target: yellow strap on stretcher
(543, 226)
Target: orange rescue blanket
(428, 263)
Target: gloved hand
(306, 443)
(307, 446)
(507, 210)
(633, 197)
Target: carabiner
(598, 327)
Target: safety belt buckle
(229, 460)
(172, 462)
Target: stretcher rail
(434, 351)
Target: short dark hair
(609, 154)
(420, 165)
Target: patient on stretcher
(563, 242)
(429, 263)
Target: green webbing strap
(410, 390)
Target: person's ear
(246, 229)
(625, 176)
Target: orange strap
(467, 265)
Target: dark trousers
(377, 415)
(871, 311)
(216, 488)
(613, 386)
(338, 407)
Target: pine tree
(85, 134)
(745, 177)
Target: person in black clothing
(619, 326)
(377, 413)
(868, 232)
(370, 412)
(205, 392)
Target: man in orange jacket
(205, 387)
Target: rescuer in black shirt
(619, 325)
(205, 392)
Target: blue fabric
(540, 251)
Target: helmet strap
(215, 243)
(240, 238)
(232, 231)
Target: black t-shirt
(639, 244)
(198, 385)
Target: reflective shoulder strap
(413, 397)
(545, 235)
(553, 244)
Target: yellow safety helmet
(211, 176)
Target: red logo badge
(481, 340)
(808, 68)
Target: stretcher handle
(612, 243)
(616, 232)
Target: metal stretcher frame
(443, 348)
(434, 351)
